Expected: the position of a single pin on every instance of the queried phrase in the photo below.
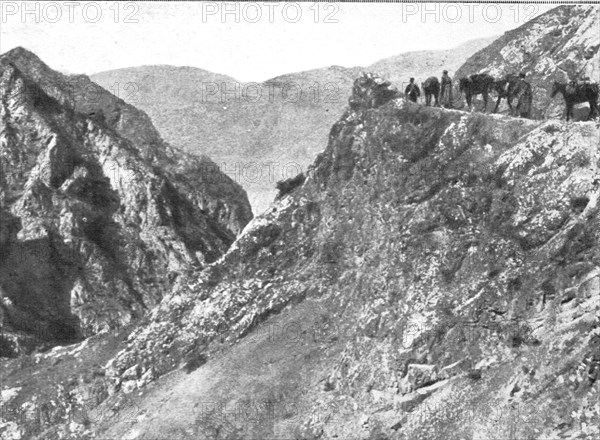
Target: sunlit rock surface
(109, 215)
(436, 276)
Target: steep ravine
(105, 216)
(437, 276)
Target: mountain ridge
(430, 263)
(256, 136)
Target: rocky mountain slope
(99, 215)
(265, 132)
(560, 45)
(437, 276)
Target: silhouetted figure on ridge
(412, 90)
(446, 90)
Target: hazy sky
(251, 42)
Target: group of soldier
(502, 87)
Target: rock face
(435, 276)
(109, 214)
(560, 45)
(371, 91)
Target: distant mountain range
(261, 132)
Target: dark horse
(431, 87)
(477, 84)
(512, 87)
(504, 88)
(576, 94)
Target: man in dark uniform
(412, 90)
(523, 92)
(446, 90)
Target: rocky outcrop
(435, 276)
(560, 45)
(371, 91)
(110, 215)
(196, 175)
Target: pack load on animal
(577, 92)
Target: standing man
(522, 91)
(412, 90)
(446, 90)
